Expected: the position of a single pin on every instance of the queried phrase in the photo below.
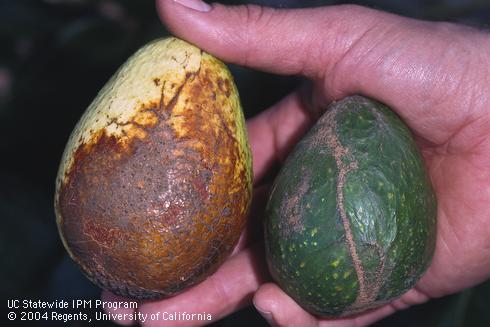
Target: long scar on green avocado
(345, 164)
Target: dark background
(54, 57)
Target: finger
(414, 67)
(280, 310)
(279, 41)
(361, 320)
(229, 289)
(274, 132)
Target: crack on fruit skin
(161, 103)
(167, 109)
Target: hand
(434, 75)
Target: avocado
(351, 220)
(156, 178)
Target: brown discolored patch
(346, 163)
(142, 213)
(103, 235)
(292, 209)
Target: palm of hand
(460, 176)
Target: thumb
(425, 71)
(282, 41)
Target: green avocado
(351, 219)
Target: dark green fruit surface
(351, 219)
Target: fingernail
(267, 315)
(195, 4)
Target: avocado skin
(156, 179)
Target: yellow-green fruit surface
(156, 178)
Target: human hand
(434, 75)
